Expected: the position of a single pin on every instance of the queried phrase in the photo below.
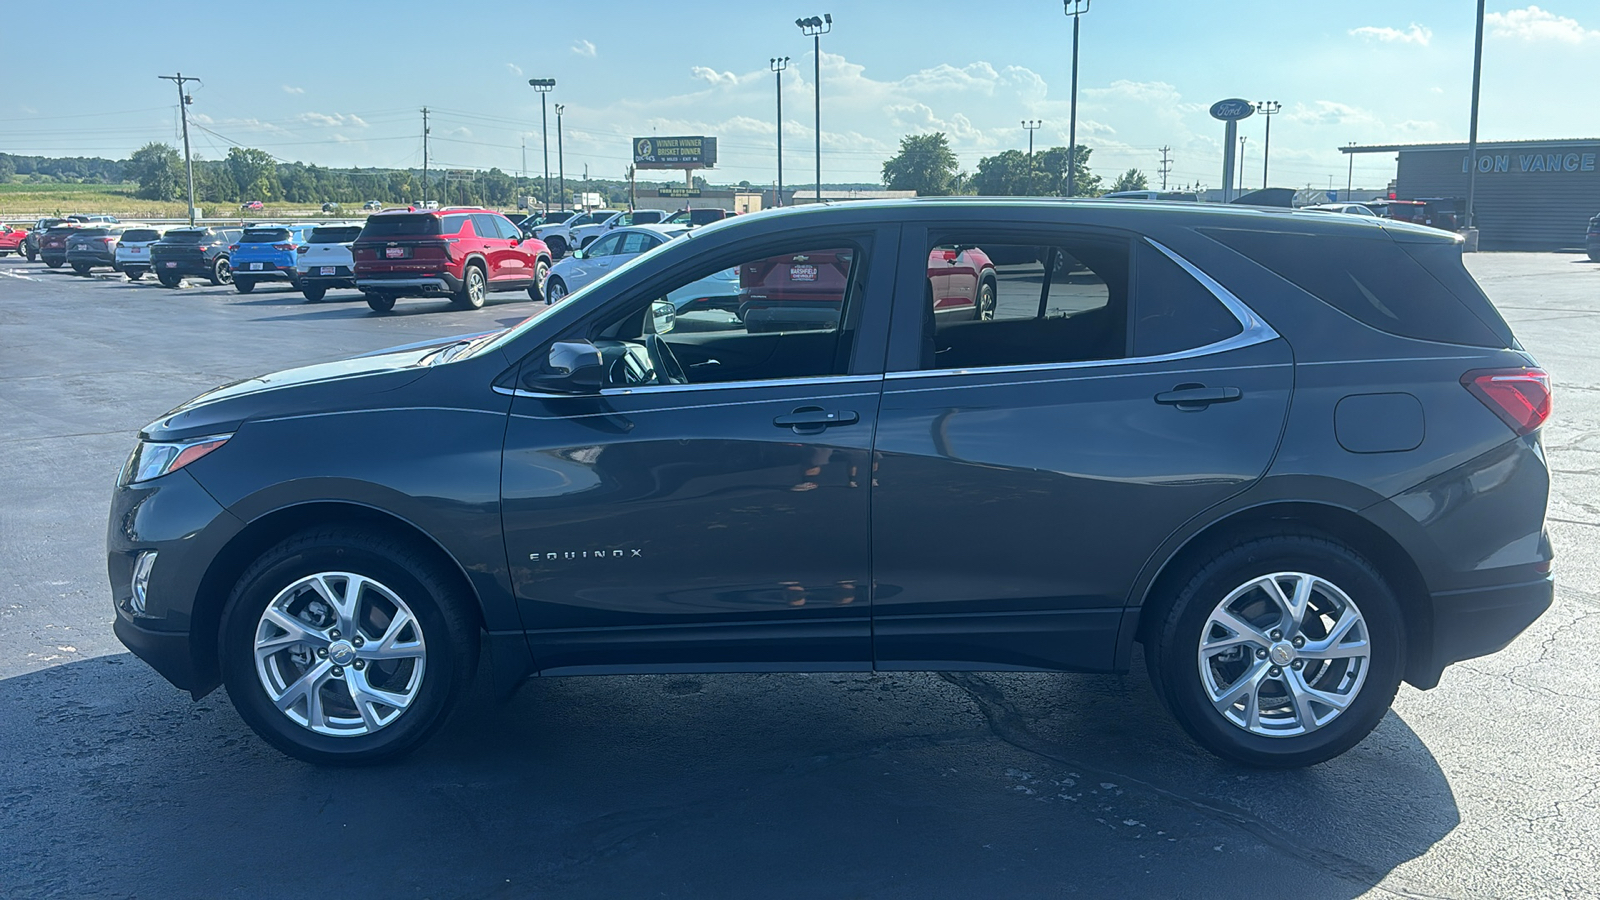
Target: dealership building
(1531, 195)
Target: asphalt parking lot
(905, 785)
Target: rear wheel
(1594, 256)
(314, 294)
(1284, 651)
(244, 285)
(473, 289)
(55, 263)
(133, 274)
(380, 302)
(170, 281)
(344, 646)
(221, 271)
(80, 268)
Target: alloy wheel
(340, 654)
(1284, 654)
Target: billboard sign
(693, 152)
(677, 191)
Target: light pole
(544, 86)
(1032, 125)
(1268, 108)
(1074, 9)
(778, 64)
(1242, 139)
(561, 156)
(815, 28)
(1350, 176)
(189, 162)
(1472, 135)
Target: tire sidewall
(1176, 667)
(283, 566)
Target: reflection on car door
(1016, 504)
(720, 525)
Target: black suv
(1591, 240)
(198, 251)
(1296, 456)
(30, 244)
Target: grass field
(22, 202)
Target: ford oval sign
(1232, 110)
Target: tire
(380, 302)
(474, 288)
(985, 302)
(134, 274)
(244, 285)
(1594, 256)
(80, 268)
(1341, 582)
(586, 242)
(314, 294)
(411, 632)
(558, 246)
(170, 281)
(221, 271)
(55, 264)
(555, 289)
(541, 271)
(32, 255)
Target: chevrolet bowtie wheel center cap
(343, 653)
(1281, 653)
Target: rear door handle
(815, 419)
(1197, 396)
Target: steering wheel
(668, 370)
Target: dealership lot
(705, 786)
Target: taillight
(283, 246)
(301, 249)
(233, 248)
(1520, 397)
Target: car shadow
(890, 785)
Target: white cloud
(312, 118)
(713, 77)
(514, 69)
(287, 89)
(1416, 34)
(1146, 91)
(584, 48)
(1535, 24)
(1329, 112)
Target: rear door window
(485, 225)
(1372, 279)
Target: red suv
(805, 291)
(462, 253)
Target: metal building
(1531, 195)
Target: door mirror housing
(577, 254)
(572, 367)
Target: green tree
(159, 170)
(925, 164)
(1053, 164)
(1131, 180)
(253, 172)
(1003, 175)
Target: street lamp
(1268, 108)
(1032, 125)
(544, 86)
(815, 28)
(1350, 175)
(1075, 9)
(561, 157)
(1472, 136)
(778, 64)
(1242, 139)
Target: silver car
(579, 268)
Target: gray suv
(1295, 456)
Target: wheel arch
(1340, 523)
(266, 530)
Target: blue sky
(344, 83)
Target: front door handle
(1191, 397)
(815, 419)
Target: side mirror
(577, 254)
(573, 367)
(663, 316)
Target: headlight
(153, 460)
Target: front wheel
(244, 285)
(985, 301)
(1282, 652)
(343, 646)
(313, 294)
(541, 275)
(221, 271)
(555, 290)
(558, 246)
(380, 302)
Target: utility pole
(561, 156)
(1472, 135)
(1268, 108)
(1032, 125)
(544, 86)
(1166, 166)
(1075, 9)
(1350, 176)
(189, 160)
(1242, 139)
(424, 156)
(815, 28)
(778, 64)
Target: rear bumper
(410, 285)
(1472, 623)
(269, 271)
(89, 258)
(180, 266)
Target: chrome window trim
(1254, 331)
(710, 386)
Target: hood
(346, 384)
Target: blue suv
(267, 253)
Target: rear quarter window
(1372, 279)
